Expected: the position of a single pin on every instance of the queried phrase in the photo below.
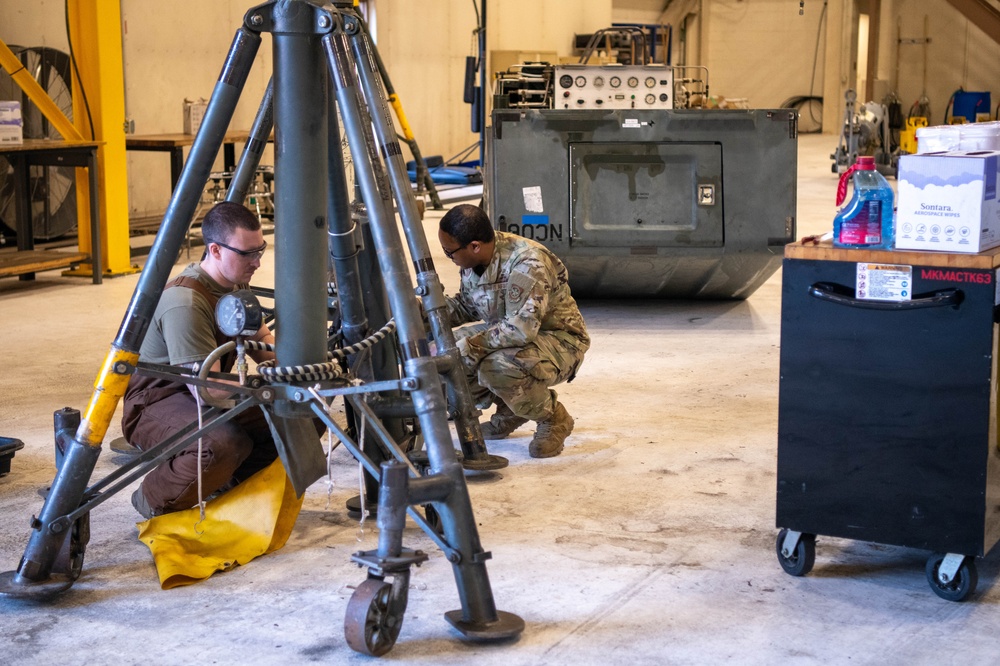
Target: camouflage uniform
(531, 334)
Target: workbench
(49, 152)
(175, 145)
(887, 428)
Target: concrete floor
(650, 540)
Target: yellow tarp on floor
(252, 519)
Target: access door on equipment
(666, 194)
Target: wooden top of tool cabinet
(825, 251)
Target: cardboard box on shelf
(948, 202)
(11, 125)
(194, 113)
(501, 61)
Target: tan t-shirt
(183, 326)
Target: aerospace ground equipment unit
(649, 202)
(871, 130)
(323, 63)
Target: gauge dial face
(581, 81)
(650, 81)
(238, 313)
(566, 81)
(633, 81)
(615, 81)
(650, 98)
(598, 81)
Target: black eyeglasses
(451, 253)
(256, 253)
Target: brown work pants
(231, 452)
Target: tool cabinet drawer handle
(841, 295)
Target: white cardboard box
(194, 113)
(948, 202)
(11, 130)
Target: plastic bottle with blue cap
(866, 221)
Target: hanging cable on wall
(76, 71)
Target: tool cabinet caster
(796, 552)
(952, 577)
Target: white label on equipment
(532, 199)
(631, 122)
(884, 282)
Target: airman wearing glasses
(183, 332)
(530, 336)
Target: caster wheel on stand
(800, 561)
(433, 519)
(374, 618)
(958, 588)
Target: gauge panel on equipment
(238, 313)
(614, 86)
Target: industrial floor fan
(53, 189)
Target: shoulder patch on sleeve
(519, 285)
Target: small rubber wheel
(372, 626)
(802, 560)
(78, 540)
(433, 519)
(958, 589)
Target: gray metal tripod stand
(317, 50)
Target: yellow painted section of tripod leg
(397, 106)
(108, 390)
(254, 518)
(37, 94)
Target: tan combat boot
(551, 433)
(502, 423)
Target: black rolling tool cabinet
(887, 406)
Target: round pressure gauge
(650, 81)
(615, 81)
(650, 98)
(238, 313)
(581, 81)
(566, 81)
(598, 81)
(633, 81)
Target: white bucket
(938, 138)
(979, 136)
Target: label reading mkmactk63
(884, 282)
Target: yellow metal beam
(37, 94)
(95, 30)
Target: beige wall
(171, 51)
(758, 49)
(424, 44)
(175, 50)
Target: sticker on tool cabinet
(884, 282)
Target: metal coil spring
(317, 371)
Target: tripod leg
(430, 288)
(33, 576)
(478, 617)
(423, 175)
(246, 168)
